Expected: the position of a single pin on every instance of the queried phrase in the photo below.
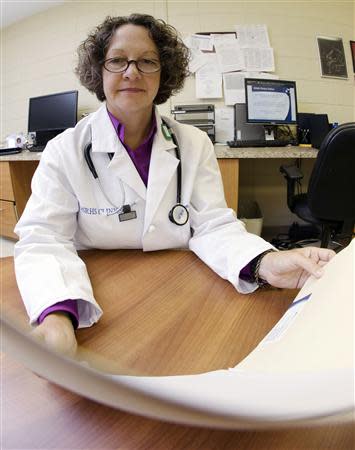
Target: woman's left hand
(291, 268)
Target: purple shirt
(141, 160)
(141, 155)
(67, 306)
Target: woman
(112, 182)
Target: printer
(201, 116)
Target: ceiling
(13, 11)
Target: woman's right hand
(57, 332)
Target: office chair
(330, 199)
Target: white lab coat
(68, 211)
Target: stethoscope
(178, 214)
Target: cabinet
(15, 189)
(16, 172)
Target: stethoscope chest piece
(179, 214)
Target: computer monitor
(271, 102)
(49, 115)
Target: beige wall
(38, 53)
(293, 27)
(38, 57)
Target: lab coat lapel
(104, 139)
(162, 168)
(123, 167)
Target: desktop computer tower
(243, 130)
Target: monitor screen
(271, 102)
(53, 112)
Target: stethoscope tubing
(179, 205)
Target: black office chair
(330, 199)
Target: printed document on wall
(223, 37)
(197, 60)
(233, 85)
(259, 59)
(230, 56)
(200, 41)
(252, 35)
(224, 124)
(209, 79)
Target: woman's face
(131, 91)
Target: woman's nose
(132, 71)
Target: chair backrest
(331, 189)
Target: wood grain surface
(165, 313)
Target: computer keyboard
(10, 151)
(257, 143)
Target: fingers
(326, 254)
(313, 259)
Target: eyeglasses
(144, 65)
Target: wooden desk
(165, 313)
(15, 187)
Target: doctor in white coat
(113, 180)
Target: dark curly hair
(174, 55)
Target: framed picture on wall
(352, 47)
(332, 57)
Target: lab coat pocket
(113, 232)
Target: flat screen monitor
(49, 115)
(271, 102)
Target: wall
(39, 54)
(38, 57)
(292, 26)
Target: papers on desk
(320, 336)
(302, 372)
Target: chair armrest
(292, 175)
(291, 172)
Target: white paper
(230, 56)
(252, 35)
(320, 335)
(198, 59)
(306, 372)
(209, 79)
(224, 124)
(259, 59)
(287, 320)
(267, 76)
(201, 42)
(224, 37)
(233, 85)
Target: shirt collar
(119, 127)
